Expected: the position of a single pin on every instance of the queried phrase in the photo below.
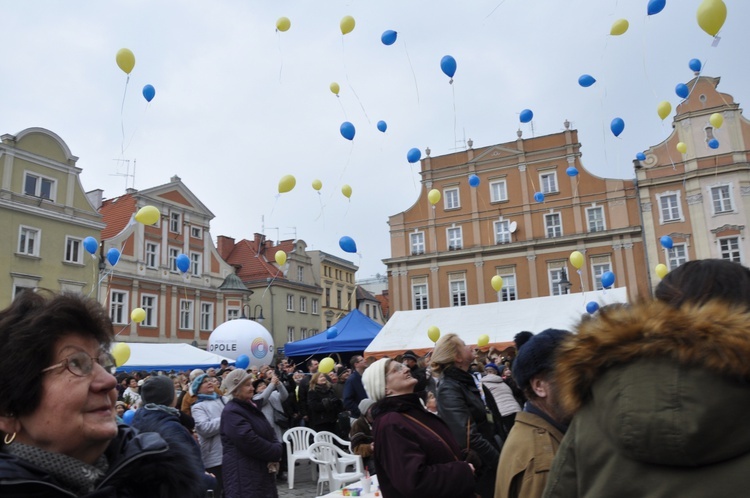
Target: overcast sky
(238, 104)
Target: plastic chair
(346, 457)
(298, 441)
(326, 456)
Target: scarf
(166, 409)
(206, 397)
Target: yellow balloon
(335, 88)
(283, 24)
(433, 196)
(711, 15)
(287, 183)
(326, 365)
(433, 333)
(317, 184)
(619, 27)
(663, 109)
(148, 215)
(682, 147)
(347, 24)
(497, 283)
(138, 315)
(716, 120)
(280, 257)
(121, 352)
(347, 191)
(576, 259)
(661, 270)
(125, 60)
(483, 340)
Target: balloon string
(346, 75)
(341, 103)
(320, 198)
(493, 10)
(137, 127)
(276, 201)
(414, 75)
(281, 55)
(122, 117)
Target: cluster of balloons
(433, 333)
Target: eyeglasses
(81, 364)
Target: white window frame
(457, 288)
(290, 302)
(509, 291)
(207, 316)
(300, 274)
(74, 245)
(172, 262)
(420, 297)
(730, 253)
(417, 243)
(152, 257)
(451, 198)
(186, 314)
(502, 231)
(303, 304)
(554, 273)
(314, 306)
(599, 266)
(678, 199)
(726, 204)
(196, 264)
(29, 236)
(290, 334)
(196, 232)
(175, 222)
(548, 182)
(233, 313)
(454, 237)
(118, 307)
(551, 229)
(151, 309)
(677, 256)
(593, 225)
(498, 191)
(40, 179)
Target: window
(722, 199)
(498, 191)
(555, 275)
(148, 303)
(196, 232)
(454, 238)
(676, 256)
(303, 304)
(669, 207)
(595, 219)
(233, 313)
(152, 255)
(314, 304)
(502, 232)
(328, 297)
(300, 274)
(186, 314)
(28, 241)
(349, 300)
(195, 264)
(508, 291)
(553, 225)
(417, 243)
(451, 198)
(458, 290)
(548, 182)
(118, 307)
(73, 252)
(367, 310)
(207, 316)
(290, 334)
(419, 294)
(173, 253)
(290, 302)
(175, 222)
(374, 312)
(598, 267)
(730, 249)
(338, 299)
(39, 187)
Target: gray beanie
(158, 390)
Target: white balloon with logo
(237, 337)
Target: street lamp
(256, 316)
(564, 283)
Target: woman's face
(76, 415)
(464, 356)
(398, 379)
(120, 410)
(207, 386)
(245, 391)
(321, 380)
(260, 387)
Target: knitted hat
(522, 338)
(197, 384)
(235, 378)
(195, 373)
(409, 355)
(158, 390)
(365, 405)
(537, 355)
(492, 365)
(374, 380)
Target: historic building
(336, 277)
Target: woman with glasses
(57, 416)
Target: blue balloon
(413, 155)
(474, 180)
(640, 156)
(382, 126)
(713, 143)
(617, 126)
(127, 417)
(682, 90)
(388, 37)
(539, 197)
(586, 80)
(148, 93)
(656, 6)
(666, 242)
(592, 307)
(113, 256)
(347, 130)
(183, 263)
(608, 279)
(91, 245)
(242, 361)
(571, 171)
(526, 116)
(347, 244)
(332, 333)
(695, 65)
(448, 65)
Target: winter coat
(502, 393)
(527, 457)
(207, 416)
(411, 460)
(270, 401)
(354, 392)
(250, 444)
(140, 465)
(323, 406)
(661, 397)
(460, 405)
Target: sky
(238, 104)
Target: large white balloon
(238, 337)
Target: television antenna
(127, 175)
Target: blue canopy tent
(356, 332)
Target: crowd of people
(644, 399)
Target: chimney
(225, 246)
(95, 198)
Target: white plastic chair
(298, 441)
(346, 457)
(326, 456)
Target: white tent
(151, 356)
(500, 321)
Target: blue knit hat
(197, 384)
(537, 355)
